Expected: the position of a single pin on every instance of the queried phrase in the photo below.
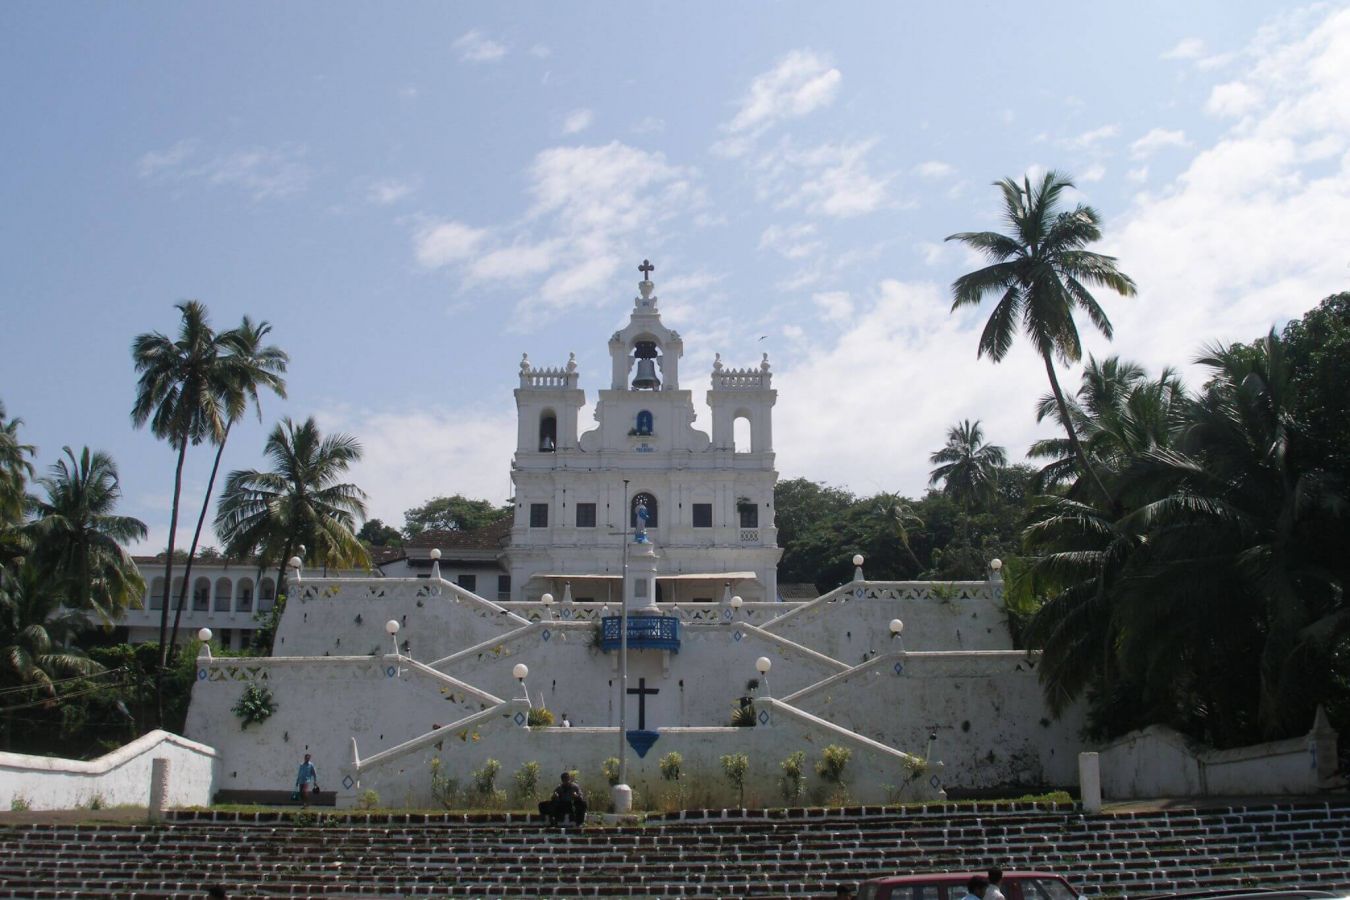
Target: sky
(413, 195)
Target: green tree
(967, 467)
(33, 626)
(15, 471)
(456, 513)
(1041, 274)
(78, 538)
(299, 502)
(244, 367)
(377, 534)
(181, 394)
(1318, 349)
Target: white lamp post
(736, 605)
(995, 568)
(897, 629)
(763, 665)
(391, 628)
(295, 565)
(435, 564)
(547, 600)
(204, 635)
(521, 671)
(857, 567)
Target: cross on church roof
(646, 269)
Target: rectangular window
(749, 516)
(585, 515)
(503, 587)
(468, 582)
(538, 515)
(702, 515)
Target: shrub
(255, 705)
(610, 768)
(743, 716)
(670, 766)
(19, 803)
(527, 782)
(444, 789)
(793, 781)
(538, 717)
(370, 799)
(831, 765)
(735, 765)
(485, 783)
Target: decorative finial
(524, 362)
(571, 362)
(717, 362)
(646, 269)
(765, 364)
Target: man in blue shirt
(306, 780)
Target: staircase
(793, 853)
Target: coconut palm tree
(181, 394)
(246, 366)
(896, 515)
(298, 502)
(33, 624)
(1118, 412)
(77, 538)
(968, 467)
(1041, 274)
(15, 470)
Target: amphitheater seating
(711, 854)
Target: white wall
(1160, 762)
(121, 777)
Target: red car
(1016, 885)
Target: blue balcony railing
(644, 633)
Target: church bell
(646, 379)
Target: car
(1016, 885)
(1258, 894)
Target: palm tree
(897, 516)
(33, 623)
(298, 502)
(968, 466)
(77, 538)
(1042, 274)
(1118, 412)
(180, 393)
(15, 470)
(246, 366)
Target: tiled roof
(796, 591)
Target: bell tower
(647, 349)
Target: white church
(648, 535)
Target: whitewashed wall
(121, 777)
(1160, 762)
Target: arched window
(201, 594)
(266, 594)
(646, 500)
(157, 593)
(643, 425)
(548, 432)
(245, 595)
(741, 433)
(222, 603)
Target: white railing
(890, 591)
(741, 380)
(691, 613)
(348, 589)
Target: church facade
(709, 501)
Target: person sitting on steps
(567, 802)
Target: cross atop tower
(646, 269)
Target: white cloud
(1233, 99)
(801, 82)
(1248, 234)
(1092, 173)
(476, 47)
(1156, 140)
(1139, 175)
(650, 125)
(1089, 139)
(835, 306)
(540, 51)
(577, 120)
(934, 169)
(263, 173)
(438, 244)
(791, 242)
(385, 191)
(830, 179)
(1186, 48)
(933, 253)
(413, 455)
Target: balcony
(644, 633)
